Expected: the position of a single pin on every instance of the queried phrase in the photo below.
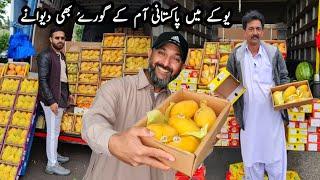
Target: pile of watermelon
(304, 71)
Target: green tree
(3, 15)
(4, 39)
(77, 32)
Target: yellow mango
(183, 124)
(205, 115)
(163, 132)
(186, 107)
(302, 88)
(288, 92)
(278, 98)
(186, 143)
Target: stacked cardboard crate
(313, 143)
(230, 134)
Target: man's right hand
(127, 147)
(54, 108)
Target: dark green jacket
(279, 73)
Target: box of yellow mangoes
(25, 103)
(16, 137)
(29, 86)
(208, 73)
(84, 101)
(90, 54)
(7, 100)
(211, 50)
(88, 78)
(111, 71)
(20, 69)
(8, 172)
(185, 125)
(114, 40)
(2, 68)
(112, 56)
(138, 45)
(4, 117)
(11, 155)
(194, 59)
(291, 95)
(72, 57)
(133, 63)
(21, 119)
(87, 89)
(9, 84)
(89, 67)
(225, 47)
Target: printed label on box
(316, 114)
(314, 122)
(295, 147)
(296, 116)
(296, 124)
(316, 106)
(314, 137)
(297, 131)
(306, 108)
(297, 139)
(313, 147)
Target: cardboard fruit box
(187, 162)
(291, 104)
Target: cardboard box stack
(313, 143)
(230, 134)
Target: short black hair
(252, 15)
(55, 29)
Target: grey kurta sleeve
(98, 121)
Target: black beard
(160, 83)
(57, 47)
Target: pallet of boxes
(18, 94)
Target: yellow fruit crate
(207, 73)
(211, 49)
(296, 102)
(5, 116)
(194, 59)
(90, 54)
(13, 133)
(84, 101)
(67, 123)
(225, 47)
(2, 68)
(21, 119)
(29, 86)
(87, 89)
(7, 100)
(7, 152)
(88, 78)
(112, 56)
(72, 78)
(139, 45)
(114, 40)
(89, 67)
(25, 103)
(12, 171)
(133, 63)
(72, 68)
(111, 71)
(9, 85)
(72, 57)
(223, 59)
(77, 124)
(20, 69)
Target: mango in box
(87, 89)
(113, 41)
(12, 154)
(224, 59)
(4, 117)
(211, 49)
(72, 68)
(25, 102)
(71, 57)
(16, 69)
(88, 78)
(9, 85)
(224, 48)
(66, 123)
(111, 71)
(72, 88)
(134, 64)
(112, 55)
(6, 100)
(138, 45)
(72, 78)
(89, 66)
(84, 102)
(208, 73)
(16, 136)
(22, 119)
(183, 125)
(78, 124)
(90, 54)
(8, 172)
(29, 86)
(291, 94)
(195, 58)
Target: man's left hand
(71, 99)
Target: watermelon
(304, 71)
